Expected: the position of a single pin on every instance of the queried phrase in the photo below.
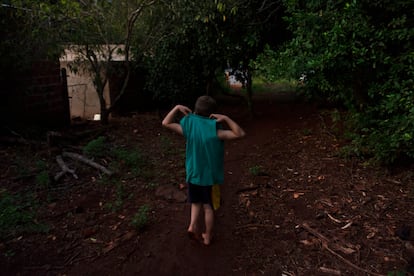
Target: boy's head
(205, 106)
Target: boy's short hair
(205, 106)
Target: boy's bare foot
(207, 238)
(193, 235)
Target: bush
(96, 148)
(362, 58)
(17, 216)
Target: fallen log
(87, 161)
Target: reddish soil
(292, 205)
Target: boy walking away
(204, 162)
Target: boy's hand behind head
(219, 117)
(183, 109)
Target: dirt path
(285, 174)
(170, 252)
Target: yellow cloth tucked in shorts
(215, 196)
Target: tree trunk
(249, 89)
(104, 116)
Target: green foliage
(131, 159)
(255, 170)
(270, 66)
(173, 75)
(358, 54)
(150, 185)
(188, 56)
(396, 273)
(42, 178)
(126, 162)
(167, 145)
(96, 148)
(120, 30)
(120, 196)
(122, 158)
(22, 169)
(306, 131)
(140, 218)
(17, 216)
(105, 180)
(32, 31)
(203, 38)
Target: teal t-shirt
(204, 151)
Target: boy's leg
(209, 221)
(195, 213)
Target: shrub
(360, 53)
(96, 148)
(17, 216)
(130, 158)
(140, 219)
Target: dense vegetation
(357, 55)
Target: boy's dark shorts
(199, 194)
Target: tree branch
(65, 169)
(87, 161)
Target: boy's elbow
(237, 135)
(165, 123)
(242, 134)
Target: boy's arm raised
(234, 132)
(168, 121)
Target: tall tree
(203, 38)
(106, 29)
(31, 31)
(258, 23)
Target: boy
(204, 156)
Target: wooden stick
(87, 161)
(314, 232)
(65, 169)
(351, 264)
(257, 225)
(330, 270)
(247, 189)
(332, 218)
(325, 242)
(347, 225)
(118, 241)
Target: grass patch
(255, 170)
(281, 86)
(122, 159)
(18, 216)
(42, 178)
(140, 218)
(120, 197)
(306, 131)
(132, 160)
(167, 145)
